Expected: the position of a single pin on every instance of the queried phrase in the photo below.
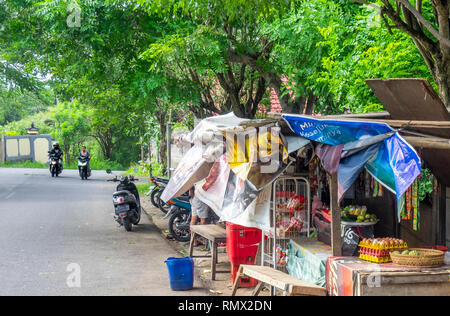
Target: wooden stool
(290, 285)
(213, 233)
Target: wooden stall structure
(416, 112)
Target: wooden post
(336, 238)
(439, 213)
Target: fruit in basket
(414, 253)
(405, 252)
(396, 252)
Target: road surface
(58, 237)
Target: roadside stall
(332, 197)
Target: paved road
(47, 224)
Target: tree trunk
(161, 117)
(442, 79)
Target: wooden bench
(290, 285)
(215, 234)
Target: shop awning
(227, 174)
(415, 99)
(375, 146)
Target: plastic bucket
(181, 273)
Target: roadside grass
(143, 187)
(95, 165)
(23, 164)
(143, 170)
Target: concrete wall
(26, 147)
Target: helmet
(55, 144)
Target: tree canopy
(111, 72)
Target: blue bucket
(181, 273)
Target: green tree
(72, 126)
(427, 23)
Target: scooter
(83, 169)
(126, 202)
(159, 184)
(55, 165)
(180, 218)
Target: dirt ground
(222, 286)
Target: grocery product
(378, 250)
(357, 214)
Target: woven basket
(427, 258)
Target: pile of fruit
(357, 214)
(407, 252)
(378, 249)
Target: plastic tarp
(191, 169)
(232, 164)
(394, 163)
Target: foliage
(131, 67)
(425, 184)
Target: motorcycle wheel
(179, 216)
(154, 197)
(126, 224)
(164, 207)
(85, 174)
(52, 171)
(138, 219)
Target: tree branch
(425, 22)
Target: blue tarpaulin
(375, 146)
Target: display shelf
(286, 223)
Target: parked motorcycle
(83, 169)
(159, 185)
(55, 165)
(126, 202)
(180, 218)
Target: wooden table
(215, 234)
(288, 284)
(350, 276)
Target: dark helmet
(55, 145)
(125, 180)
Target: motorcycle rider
(85, 155)
(57, 152)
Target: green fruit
(361, 218)
(368, 216)
(396, 252)
(414, 253)
(405, 252)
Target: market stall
(347, 276)
(320, 189)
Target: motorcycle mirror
(108, 171)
